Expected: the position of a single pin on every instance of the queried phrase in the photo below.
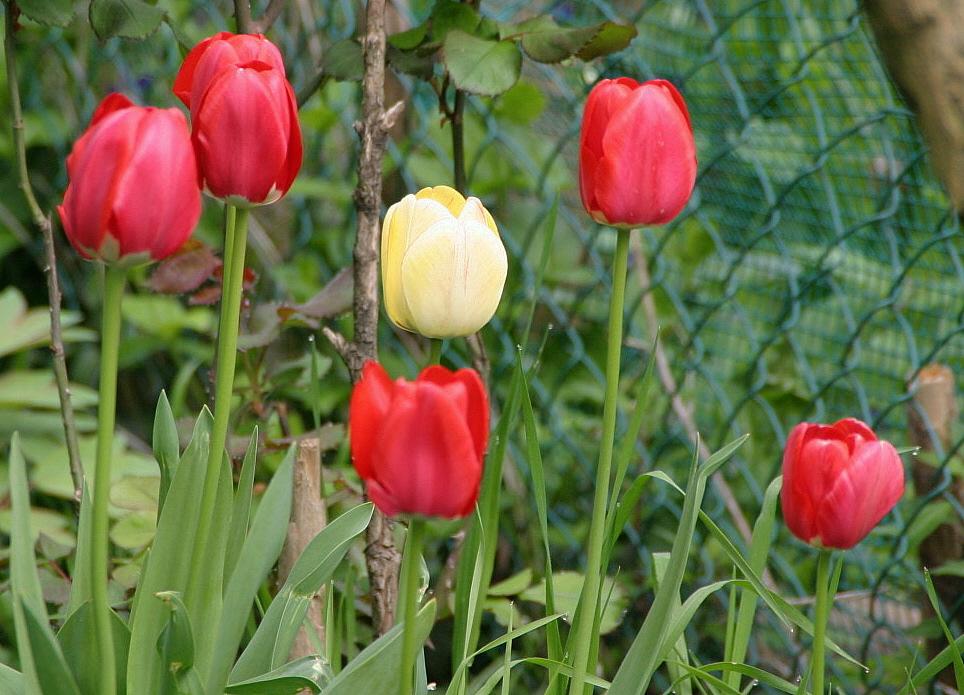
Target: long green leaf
(79, 645)
(313, 568)
(675, 638)
(24, 581)
(256, 558)
(176, 647)
(759, 551)
(80, 590)
(534, 457)
(309, 672)
(11, 681)
(242, 507)
(167, 566)
(166, 447)
(375, 669)
(53, 674)
(641, 660)
(955, 652)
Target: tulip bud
(443, 264)
(637, 156)
(210, 56)
(133, 192)
(419, 445)
(839, 481)
(245, 118)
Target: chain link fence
(816, 271)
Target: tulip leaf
(56, 13)
(479, 65)
(166, 447)
(11, 681)
(307, 673)
(81, 651)
(131, 19)
(52, 673)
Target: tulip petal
(160, 160)
(452, 278)
(861, 496)
(426, 457)
(446, 195)
(370, 402)
(404, 222)
(242, 131)
(474, 211)
(648, 167)
(467, 390)
(203, 62)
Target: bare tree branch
(45, 226)
(242, 17)
(271, 13)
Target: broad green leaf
(546, 42)
(481, 66)
(132, 19)
(344, 61)
(53, 675)
(409, 39)
(375, 669)
(514, 585)
(167, 566)
(309, 672)
(951, 569)
(78, 640)
(167, 450)
(56, 13)
(611, 38)
(568, 585)
(313, 568)
(20, 326)
(38, 389)
(133, 531)
(240, 513)
(257, 555)
(451, 15)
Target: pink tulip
(133, 190)
(839, 481)
(637, 156)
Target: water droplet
(311, 338)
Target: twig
(381, 555)
(45, 225)
(682, 409)
(271, 13)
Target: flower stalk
(589, 597)
(114, 280)
(821, 614)
(409, 581)
(236, 232)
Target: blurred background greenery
(818, 267)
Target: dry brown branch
(271, 13)
(681, 408)
(308, 517)
(45, 226)
(242, 16)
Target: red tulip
(637, 157)
(214, 53)
(839, 481)
(245, 118)
(418, 445)
(133, 191)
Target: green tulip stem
(821, 613)
(114, 280)
(589, 597)
(226, 357)
(409, 584)
(435, 351)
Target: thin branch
(271, 13)
(683, 409)
(45, 226)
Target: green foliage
(479, 65)
(132, 19)
(50, 12)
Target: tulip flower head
(637, 155)
(443, 263)
(839, 481)
(132, 195)
(245, 132)
(419, 445)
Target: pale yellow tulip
(443, 263)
